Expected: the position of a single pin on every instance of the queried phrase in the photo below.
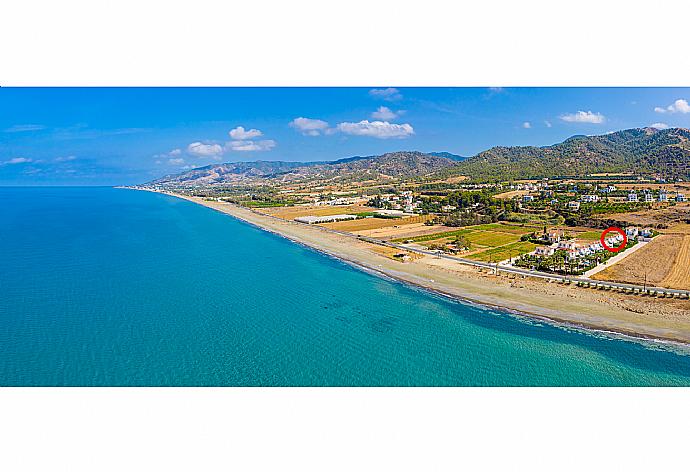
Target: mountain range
(639, 150)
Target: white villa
(632, 197)
(589, 198)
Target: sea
(117, 287)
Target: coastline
(609, 314)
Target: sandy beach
(642, 317)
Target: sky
(125, 136)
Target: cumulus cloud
(17, 160)
(659, 125)
(584, 117)
(240, 133)
(384, 114)
(527, 125)
(175, 152)
(177, 161)
(264, 145)
(377, 129)
(309, 126)
(679, 106)
(205, 150)
(389, 94)
(65, 158)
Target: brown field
(357, 226)
(292, 212)
(409, 230)
(511, 194)
(669, 215)
(658, 259)
(679, 275)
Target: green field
(435, 236)
(504, 252)
(491, 239)
(589, 235)
(505, 228)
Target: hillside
(392, 165)
(641, 150)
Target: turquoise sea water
(103, 286)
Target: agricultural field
(364, 224)
(402, 232)
(668, 215)
(665, 261)
(589, 235)
(489, 242)
(490, 238)
(509, 228)
(502, 253)
(435, 236)
(679, 275)
(293, 212)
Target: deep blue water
(103, 286)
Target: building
(555, 235)
(632, 197)
(632, 232)
(663, 197)
(575, 206)
(648, 197)
(447, 208)
(589, 198)
(544, 251)
(680, 197)
(315, 220)
(527, 198)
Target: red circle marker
(613, 229)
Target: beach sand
(644, 317)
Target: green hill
(641, 150)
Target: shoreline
(595, 316)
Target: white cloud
(548, 124)
(65, 158)
(659, 125)
(679, 106)
(175, 152)
(205, 150)
(17, 160)
(584, 117)
(389, 94)
(240, 133)
(265, 145)
(377, 129)
(527, 125)
(23, 128)
(309, 126)
(176, 161)
(384, 114)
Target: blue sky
(101, 136)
